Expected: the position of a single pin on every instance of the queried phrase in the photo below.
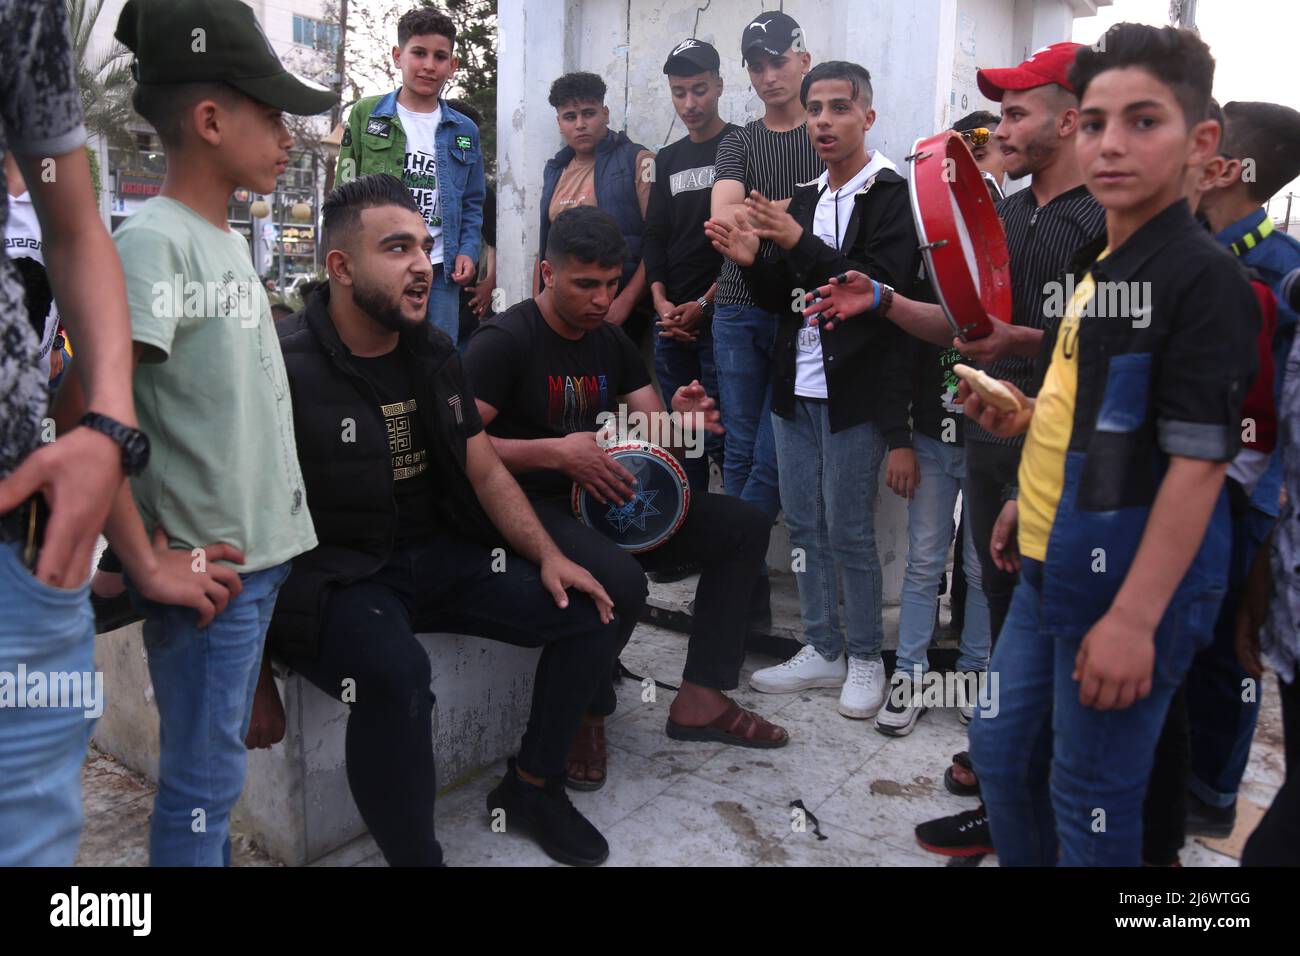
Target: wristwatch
(133, 442)
(886, 300)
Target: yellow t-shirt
(1042, 463)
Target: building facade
(281, 245)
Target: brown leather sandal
(587, 753)
(735, 726)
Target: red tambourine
(962, 239)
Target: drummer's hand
(849, 293)
(559, 573)
(992, 420)
(771, 221)
(995, 345)
(699, 412)
(591, 467)
(901, 473)
(738, 243)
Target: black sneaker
(963, 834)
(672, 575)
(546, 815)
(1206, 820)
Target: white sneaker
(903, 708)
(966, 703)
(864, 690)
(804, 671)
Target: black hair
(577, 88)
(857, 76)
(418, 23)
(280, 310)
(977, 120)
(586, 234)
(341, 211)
(1269, 135)
(166, 106)
(460, 106)
(1177, 58)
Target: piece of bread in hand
(990, 390)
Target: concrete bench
(296, 803)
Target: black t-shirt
(546, 386)
(414, 488)
(676, 251)
(934, 388)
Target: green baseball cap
(214, 41)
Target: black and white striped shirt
(772, 163)
(1041, 241)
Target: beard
(1036, 153)
(383, 307)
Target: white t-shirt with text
(420, 173)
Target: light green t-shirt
(210, 391)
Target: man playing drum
(543, 372)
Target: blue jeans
(828, 494)
(1055, 772)
(929, 532)
(744, 338)
(203, 683)
(42, 749)
(1222, 724)
(443, 309)
(676, 364)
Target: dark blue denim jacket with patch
(1164, 375)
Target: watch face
(135, 450)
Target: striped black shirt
(1042, 240)
(772, 163)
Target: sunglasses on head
(978, 136)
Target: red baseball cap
(1051, 64)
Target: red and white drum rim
(962, 238)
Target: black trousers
(990, 468)
(369, 658)
(1276, 841)
(727, 536)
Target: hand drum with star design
(659, 502)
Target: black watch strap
(133, 442)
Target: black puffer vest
(345, 459)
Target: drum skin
(659, 504)
(962, 238)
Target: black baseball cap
(692, 56)
(772, 32)
(214, 41)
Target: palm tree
(105, 80)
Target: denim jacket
(374, 142)
(1164, 379)
(1272, 258)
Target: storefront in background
(288, 246)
